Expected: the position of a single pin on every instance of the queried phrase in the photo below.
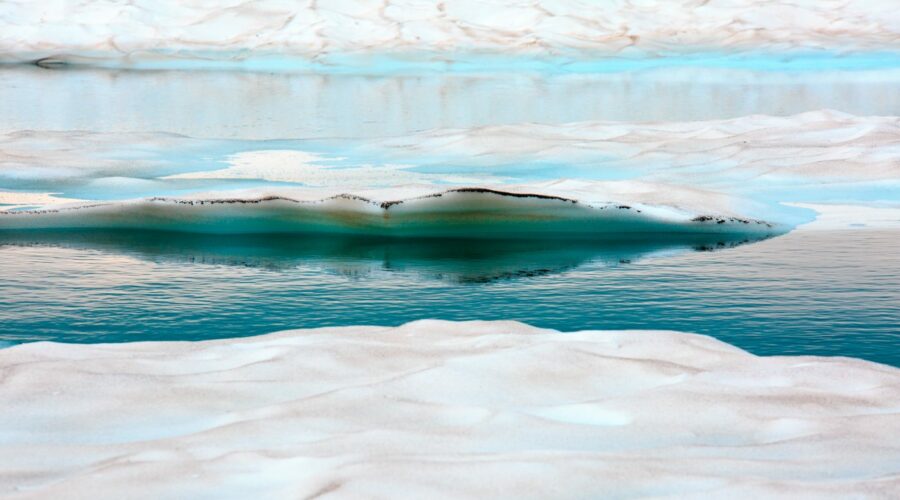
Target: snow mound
(459, 212)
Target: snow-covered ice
(437, 409)
(161, 33)
(440, 409)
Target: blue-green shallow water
(809, 292)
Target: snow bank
(278, 33)
(438, 409)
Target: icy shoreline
(444, 409)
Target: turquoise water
(121, 133)
(809, 292)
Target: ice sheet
(439, 409)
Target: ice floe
(458, 212)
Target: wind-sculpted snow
(278, 34)
(444, 410)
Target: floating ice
(459, 212)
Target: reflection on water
(829, 293)
(456, 260)
(272, 106)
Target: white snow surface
(131, 30)
(436, 409)
(835, 216)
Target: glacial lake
(806, 292)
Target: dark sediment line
(346, 196)
(723, 220)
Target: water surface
(239, 105)
(809, 292)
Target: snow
(838, 216)
(516, 211)
(155, 33)
(436, 409)
(13, 199)
(441, 410)
(742, 167)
